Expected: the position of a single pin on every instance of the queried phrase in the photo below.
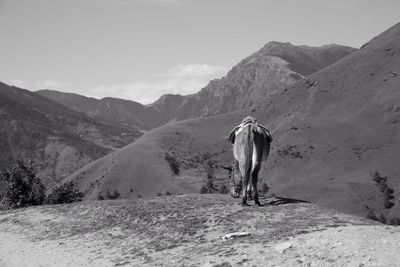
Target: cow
(251, 144)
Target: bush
(65, 193)
(114, 195)
(371, 215)
(394, 221)
(168, 193)
(382, 219)
(381, 182)
(21, 187)
(208, 187)
(203, 189)
(223, 189)
(173, 163)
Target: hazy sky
(141, 49)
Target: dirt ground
(186, 231)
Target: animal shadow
(283, 200)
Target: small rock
(283, 247)
(384, 240)
(236, 234)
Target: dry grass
(171, 229)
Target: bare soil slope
(186, 231)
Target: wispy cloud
(180, 79)
(193, 70)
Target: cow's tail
(249, 151)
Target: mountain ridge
(262, 73)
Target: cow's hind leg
(254, 180)
(249, 193)
(246, 179)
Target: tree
(381, 182)
(65, 193)
(173, 163)
(21, 186)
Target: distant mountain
(57, 139)
(112, 110)
(332, 130)
(266, 72)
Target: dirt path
(185, 231)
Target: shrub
(173, 163)
(21, 187)
(223, 189)
(264, 188)
(208, 187)
(203, 189)
(371, 215)
(65, 193)
(168, 193)
(382, 218)
(381, 182)
(114, 195)
(394, 221)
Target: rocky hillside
(193, 230)
(332, 131)
(264, 73)
(57, 139)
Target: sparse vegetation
(289, 151)
(208, 187)
(21, 187)
(264, 188)
(173, 163)
(65, 193)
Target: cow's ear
(232, 135)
